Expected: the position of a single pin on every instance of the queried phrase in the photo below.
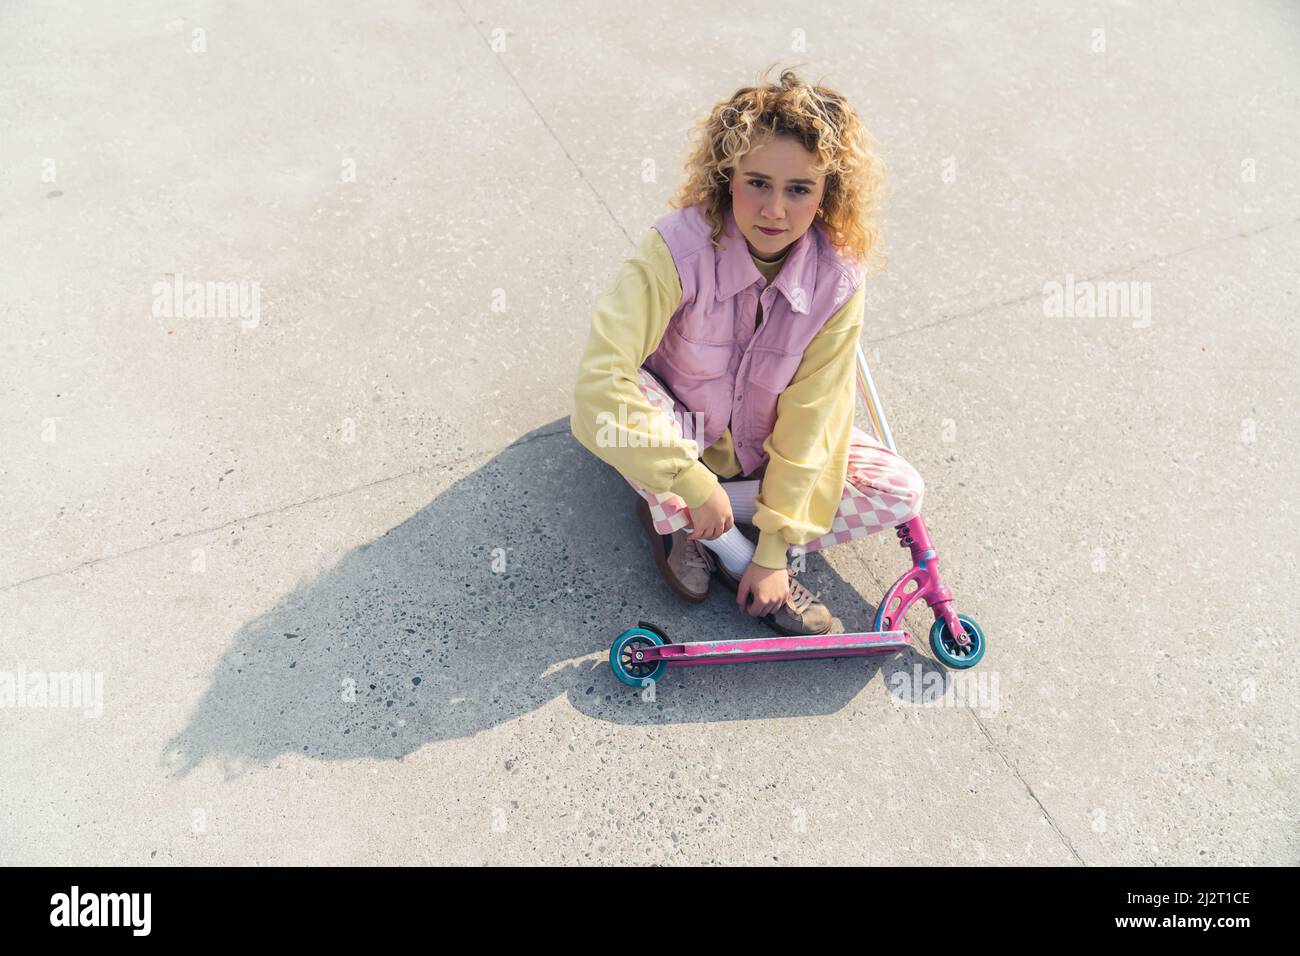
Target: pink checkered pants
(881, 491)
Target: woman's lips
(770, 232)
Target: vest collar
(735, 270)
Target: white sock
(742, 495)
(733, 549)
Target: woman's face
(775, 189)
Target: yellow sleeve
(637, 440)
(808, 449)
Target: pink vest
(712, 358)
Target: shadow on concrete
(416, 638)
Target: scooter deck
(857, 644)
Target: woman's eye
(797, 190)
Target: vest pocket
(770, 371)
(696, 360)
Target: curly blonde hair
(822, 121)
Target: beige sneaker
(686, 565)
(802, 613)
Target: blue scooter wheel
(622, 657)
(949, 652)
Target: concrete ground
(349, 582)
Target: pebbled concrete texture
(349, 583)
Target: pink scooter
(643, 653)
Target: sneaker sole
(661, 559)
(734, 587)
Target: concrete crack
(425, 469)
(542, 119)
(994, 306)
(1065, 840)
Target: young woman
(719, 375)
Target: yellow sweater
(809, 446)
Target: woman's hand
(769, 588)
(713, 518)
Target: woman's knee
(648, 384)
(889, 476)
(913, 490)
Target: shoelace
(800, 596)
(695, 556)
